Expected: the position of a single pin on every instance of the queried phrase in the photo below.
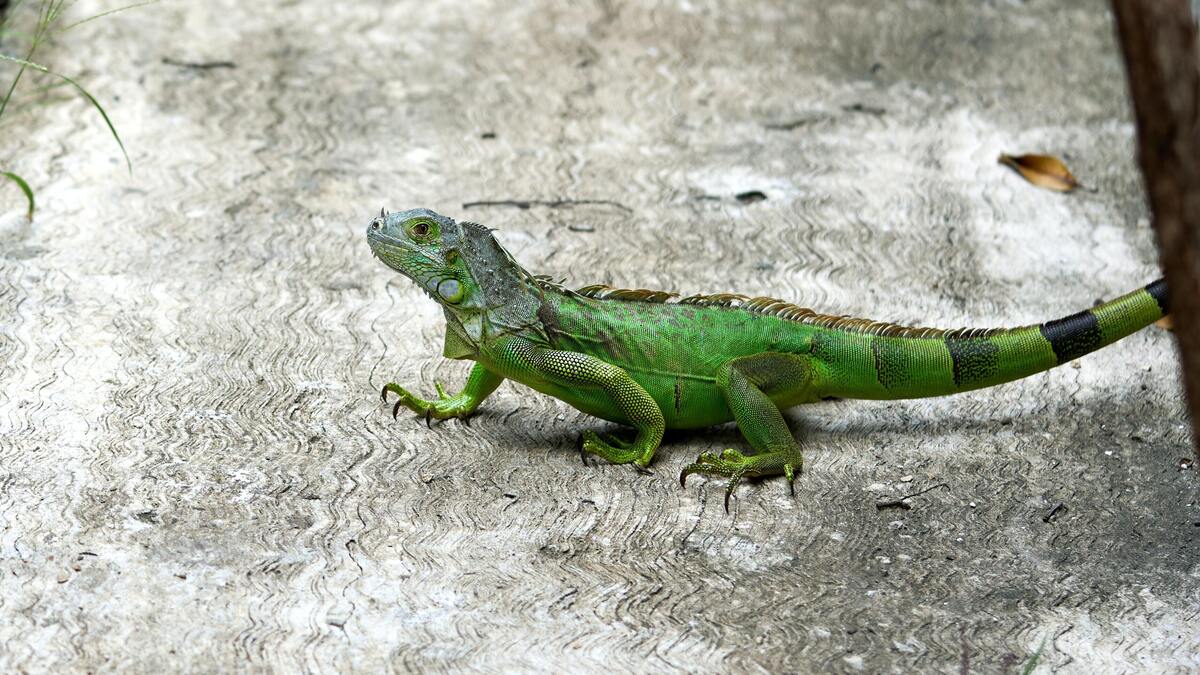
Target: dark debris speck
(150, 516)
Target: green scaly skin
(636, 358)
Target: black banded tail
(1102, 325)
(937, 363)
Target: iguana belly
(686, 402)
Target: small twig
(525, 204)
(865, 109)
(1058, 508)
(901, 503)
(791, 125)
(199, 65)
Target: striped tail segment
(1104, 324)
(1012, 354)
(896, 362)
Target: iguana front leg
(751, 385)
(480, 384)
(608, 386)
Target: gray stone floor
(196, 472)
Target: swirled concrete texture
(196, 472)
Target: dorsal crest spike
(785, 310)
(476, 227)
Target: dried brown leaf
(1042, 170)
(1166, 323)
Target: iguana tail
(913, 365)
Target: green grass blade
(56, 10)
(111, 11)
(24, 188)
(16, 80)
(1033, 660)
(84, 92)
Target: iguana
(653, 361)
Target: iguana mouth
(387, 249)
(376, 238)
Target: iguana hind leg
(753, 387)
(480, 383)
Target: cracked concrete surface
(195, 470)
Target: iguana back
(652, 332)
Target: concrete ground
(196, 473)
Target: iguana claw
(443, 407)
(737, 477)
(737, 466)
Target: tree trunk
(1158, 38)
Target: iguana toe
(624, 453)
(442, 408)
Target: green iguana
(653, 362)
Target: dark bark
(1158, 38)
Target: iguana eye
(420, 229)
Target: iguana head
(461, 265)
(425, 247)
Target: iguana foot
(736, 466)
(615, 449)
(444, 407)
